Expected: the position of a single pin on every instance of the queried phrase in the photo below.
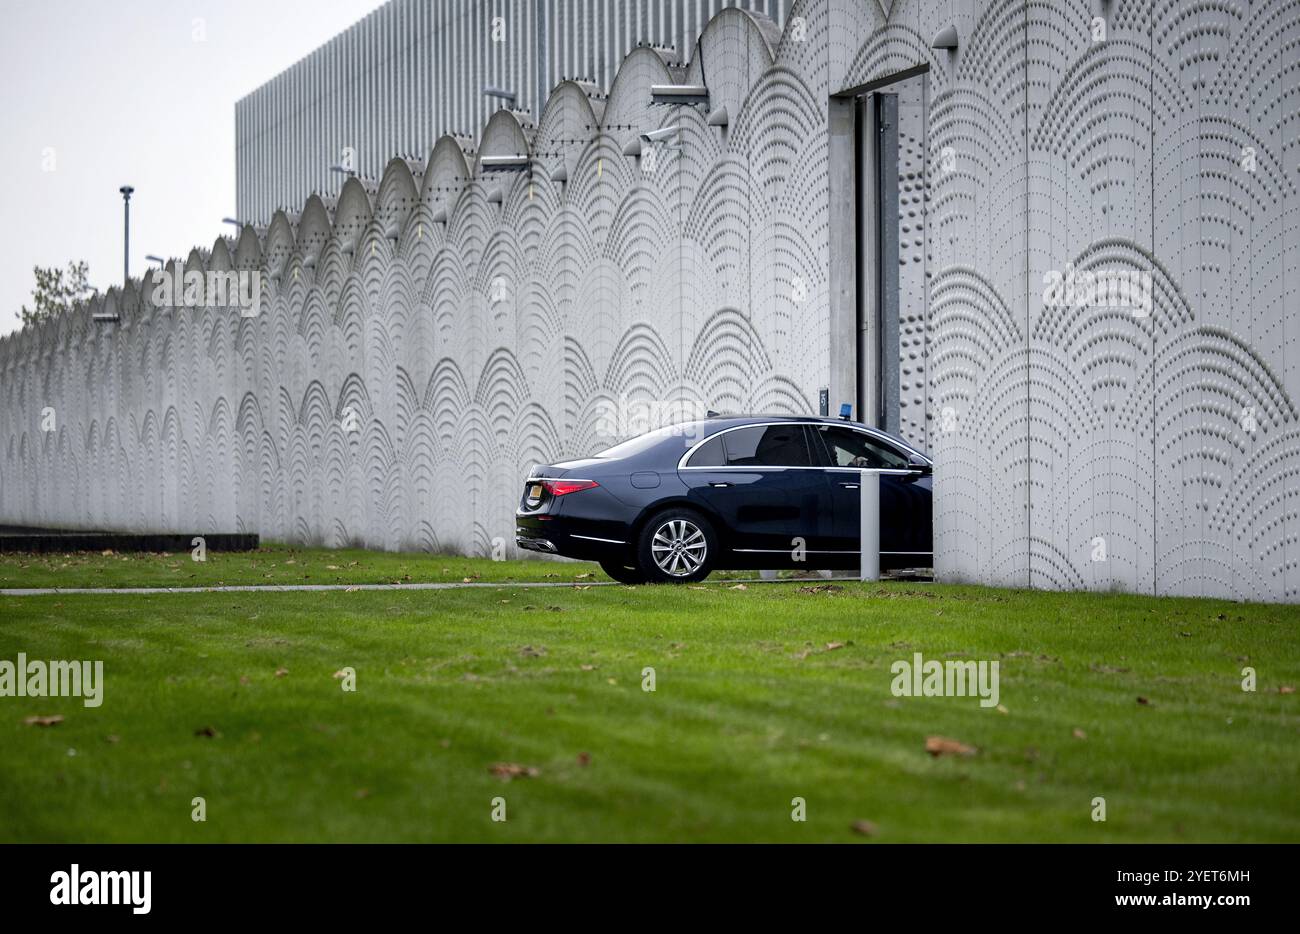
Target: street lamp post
(126, 191)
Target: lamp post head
(126, 191)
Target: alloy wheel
(679, 547)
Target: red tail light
(561, 487)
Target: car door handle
(719, 484)
(849, 486)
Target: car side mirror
(919, 464)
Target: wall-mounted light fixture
(503, 94)
(515, 163)
(679, 94)
(945, 39)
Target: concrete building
(1057, 244)
(414, 70)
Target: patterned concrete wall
(475, 324)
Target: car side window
(767, 446)
(846, 447)
(709, 454)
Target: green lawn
(752, 709)
(272, 564)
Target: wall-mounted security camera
(661, 135)
(679, 94)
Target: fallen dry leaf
(832, 646)
(1143, 701)
(584, 759)
(529, 651)
(864, 827)
(942, 746)
(340, 674)
(52, 720)
(361, 793)
(208, 731)
(739, 587)
(1079, 734)
(511, 770)
(281, 672)
(1286, 689)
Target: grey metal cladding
(288, 132)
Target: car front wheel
(677, 546)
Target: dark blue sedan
(735, 492)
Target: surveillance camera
(660, 135)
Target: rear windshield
(645, 442)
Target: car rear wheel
(621, 573)
(678, 546)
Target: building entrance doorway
(881, 161)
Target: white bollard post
(869, 536)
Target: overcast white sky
(124, 93)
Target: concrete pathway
(430, 585)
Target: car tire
(677, 546)
(621, 572)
